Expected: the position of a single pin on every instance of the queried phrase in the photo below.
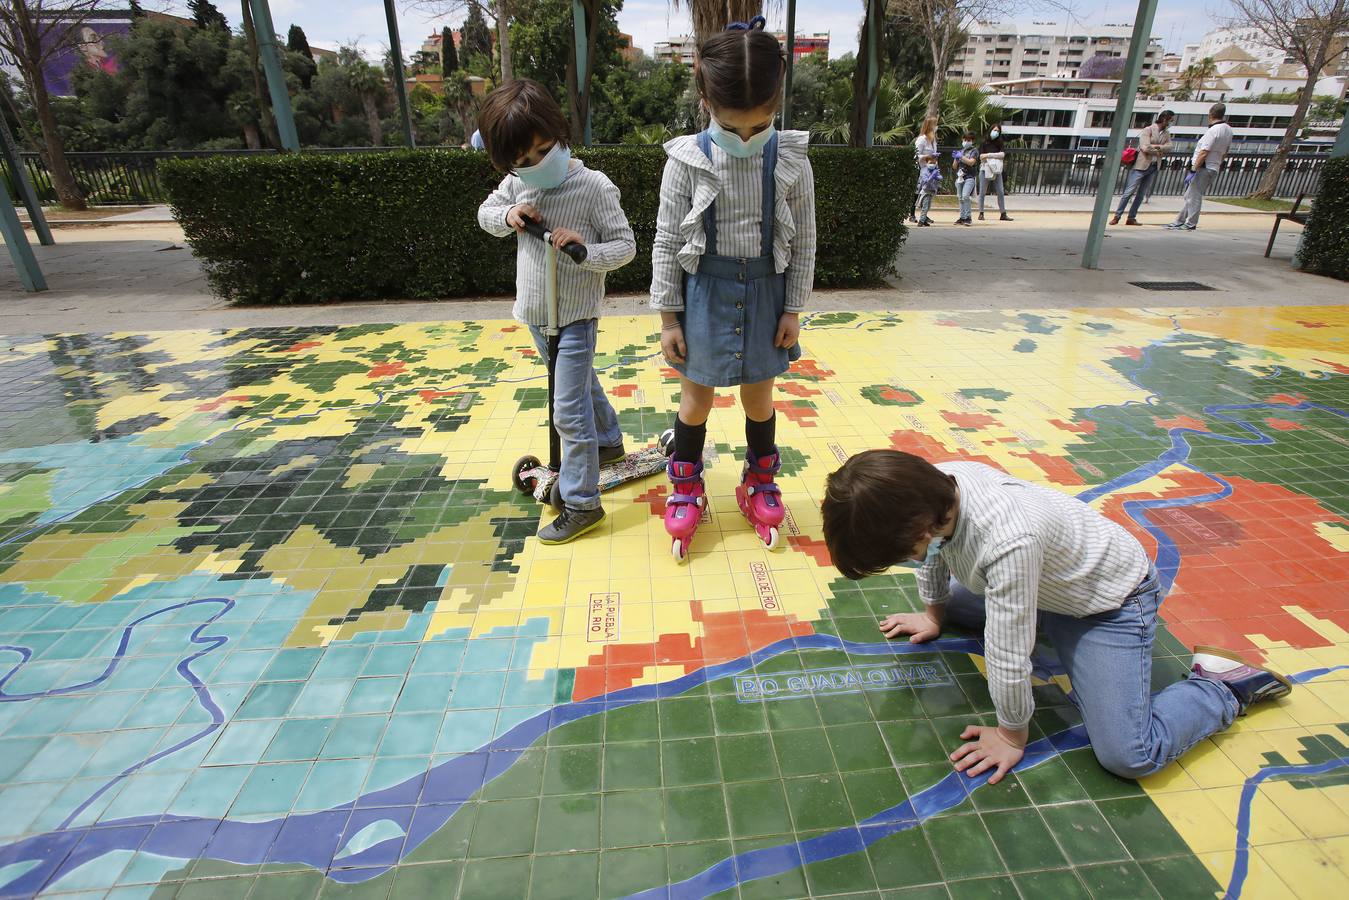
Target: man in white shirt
(1208, 160)
(1004, 556)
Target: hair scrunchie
(758, 23)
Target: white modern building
(997, 51)
(1248, 40)
(1073, 113)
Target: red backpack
(1128, 156)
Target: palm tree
(901, 106)
(368, 82)
(649, 134)
(1150, 88)
(711, 16)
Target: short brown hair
(740, 69)
(878, 507)
(514, 116)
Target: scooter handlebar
(577, 252)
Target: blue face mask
(550, 171)
(933, 551)
(733, 144)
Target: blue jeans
(996, 181)
(1109, 660)
(582, 414)
(1136, 187)
(966, 191)
(924, 205)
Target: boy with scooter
(526, 136)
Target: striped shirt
(1027, 549)
(691, 182)
(587, 202)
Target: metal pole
(1119, 131)
(276, 76)
(791, 63)
(25, 185)
(1341, 147)
(25, 263)
(875, 23)
(400, 86)
(578, 27)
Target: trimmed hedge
(311, 228)
(1325, 248)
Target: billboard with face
(92, 50)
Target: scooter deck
(639, 464)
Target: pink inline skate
(684, 507)
(760, 498)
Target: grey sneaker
(1249, 684)
(570, 525)
(1189, 227)
(1174, 226)
(612, 454)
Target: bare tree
(33, 32)
(1308, 31)
(942, 23)
(500, 11)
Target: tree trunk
(1270, 183)
(251, 138)
(63, 180)
(938, 87)
(259, 88)
(861, 89)
(372, 120)
(578, 89)
(504, 40)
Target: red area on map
(383, 370)
(1243, 560)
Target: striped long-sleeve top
(587, 202)
(1028, 548)
(692, 182)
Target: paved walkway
(142, 276)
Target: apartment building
(681, 49)
(997, 51)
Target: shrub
(325, 227)
(1325, 248)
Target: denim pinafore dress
(732, 305)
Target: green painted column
(791, 64)
(400, 86)
(25, 185)
(1119, 132)
(578, 27)
(1341, 147)
(276, 76)
(25, 263)
(875, 25)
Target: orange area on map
(969, 420)
(1180, 422)
(383, 370)
(801, 415)
(725, 636)
(932, 450)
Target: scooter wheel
(555, 495)
(523, 465)
(666, 442)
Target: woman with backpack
(1153, 141)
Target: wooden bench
(1293, 216)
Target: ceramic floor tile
(352, 671)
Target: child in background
(929, 182)
(526, 136)
(966, 167)
(732, 266)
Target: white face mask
(994, 134)
(734, 144)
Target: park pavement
(141, 275)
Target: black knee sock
(760, 436)
(689, 440)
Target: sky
(330, 23)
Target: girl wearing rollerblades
(732, 266)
